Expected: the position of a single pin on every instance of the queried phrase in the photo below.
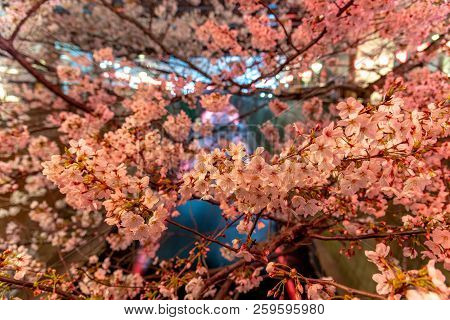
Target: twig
(249, 236)
(31, 285)
(367, 236)
(16, 55)
(28, 15)
(202, 235)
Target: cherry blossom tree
(104, 136)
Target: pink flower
(384, 285)
(277, 107)
(215, 102)
(441, 237)
(131, 221)
(105, 54)
(322, 149)
(142, 233)
(178, 126)
(437, 278)
(66, 73)
(194, 288)
(236, 151)
(150, 199)
(246, 255)
(264, 37)
(421, 295)
(378, 256)
(270, 267)
(349, 109)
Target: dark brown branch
(345, 288)
(367, 236)
(249, 236)
(202, 235)
(28, 15)
(299, 51)
(20, 58)
(31, 285)
(287, 35)
(152, 37)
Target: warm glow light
(422, 47)
(401, 56)
(306, 76)
(287, 78)
(122, 75)
(376, 97)
(12, 99)
(435, 37)
(12, 71)
(383, 59)
(316, 67)
(2, 92)
(364, 62)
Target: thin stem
(20, 58)
(367, 236)
(28, 15)
(249, 236)
(31, 285)
(344, 287)
(202, 235)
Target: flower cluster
(263, 36)
(105, 134)
(214, 102)
(427, 283)
(362, 156)
(90, 182)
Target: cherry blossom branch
(107, 284)
(228, 269)
(154, 39)
(367, 236)
(344, 287)
(20, 58)
(249, 236)
(408, 65)
(28, 15)
(202, 235)
(299, 51)
(31, 285)
(287, 35)
(228, 225)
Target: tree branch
(407, 66)
(28, 15)
(367, 236)
(155, 40)
(202, 235)
(20, 58)
(345, 288)
(31, 285)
